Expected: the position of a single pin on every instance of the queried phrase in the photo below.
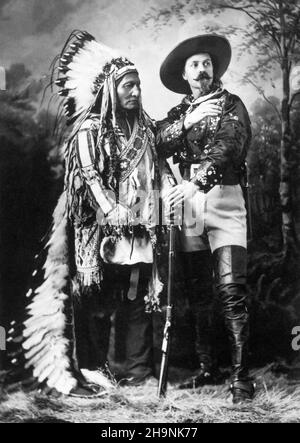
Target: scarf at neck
(189, 100)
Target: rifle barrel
(162, 385)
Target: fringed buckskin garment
(88, 261)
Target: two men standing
(110, 157)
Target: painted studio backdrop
(31, 35)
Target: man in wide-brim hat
(208, 134)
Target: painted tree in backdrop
(272, 36)
(29, 178)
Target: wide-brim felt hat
(217, 46)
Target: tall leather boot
(230, 265)
(197, 268)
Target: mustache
(203, 76)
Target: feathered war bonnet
(87, 73)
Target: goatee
(205, 88)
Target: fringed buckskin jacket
(131, 172)
(95, 162)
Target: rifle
(162, 385)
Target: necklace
(125, 145)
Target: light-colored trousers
(221, 216)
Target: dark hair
(216, 84)
(98, 103)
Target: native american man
(103, 246)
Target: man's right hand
(208, 108)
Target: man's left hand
(176, 195)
